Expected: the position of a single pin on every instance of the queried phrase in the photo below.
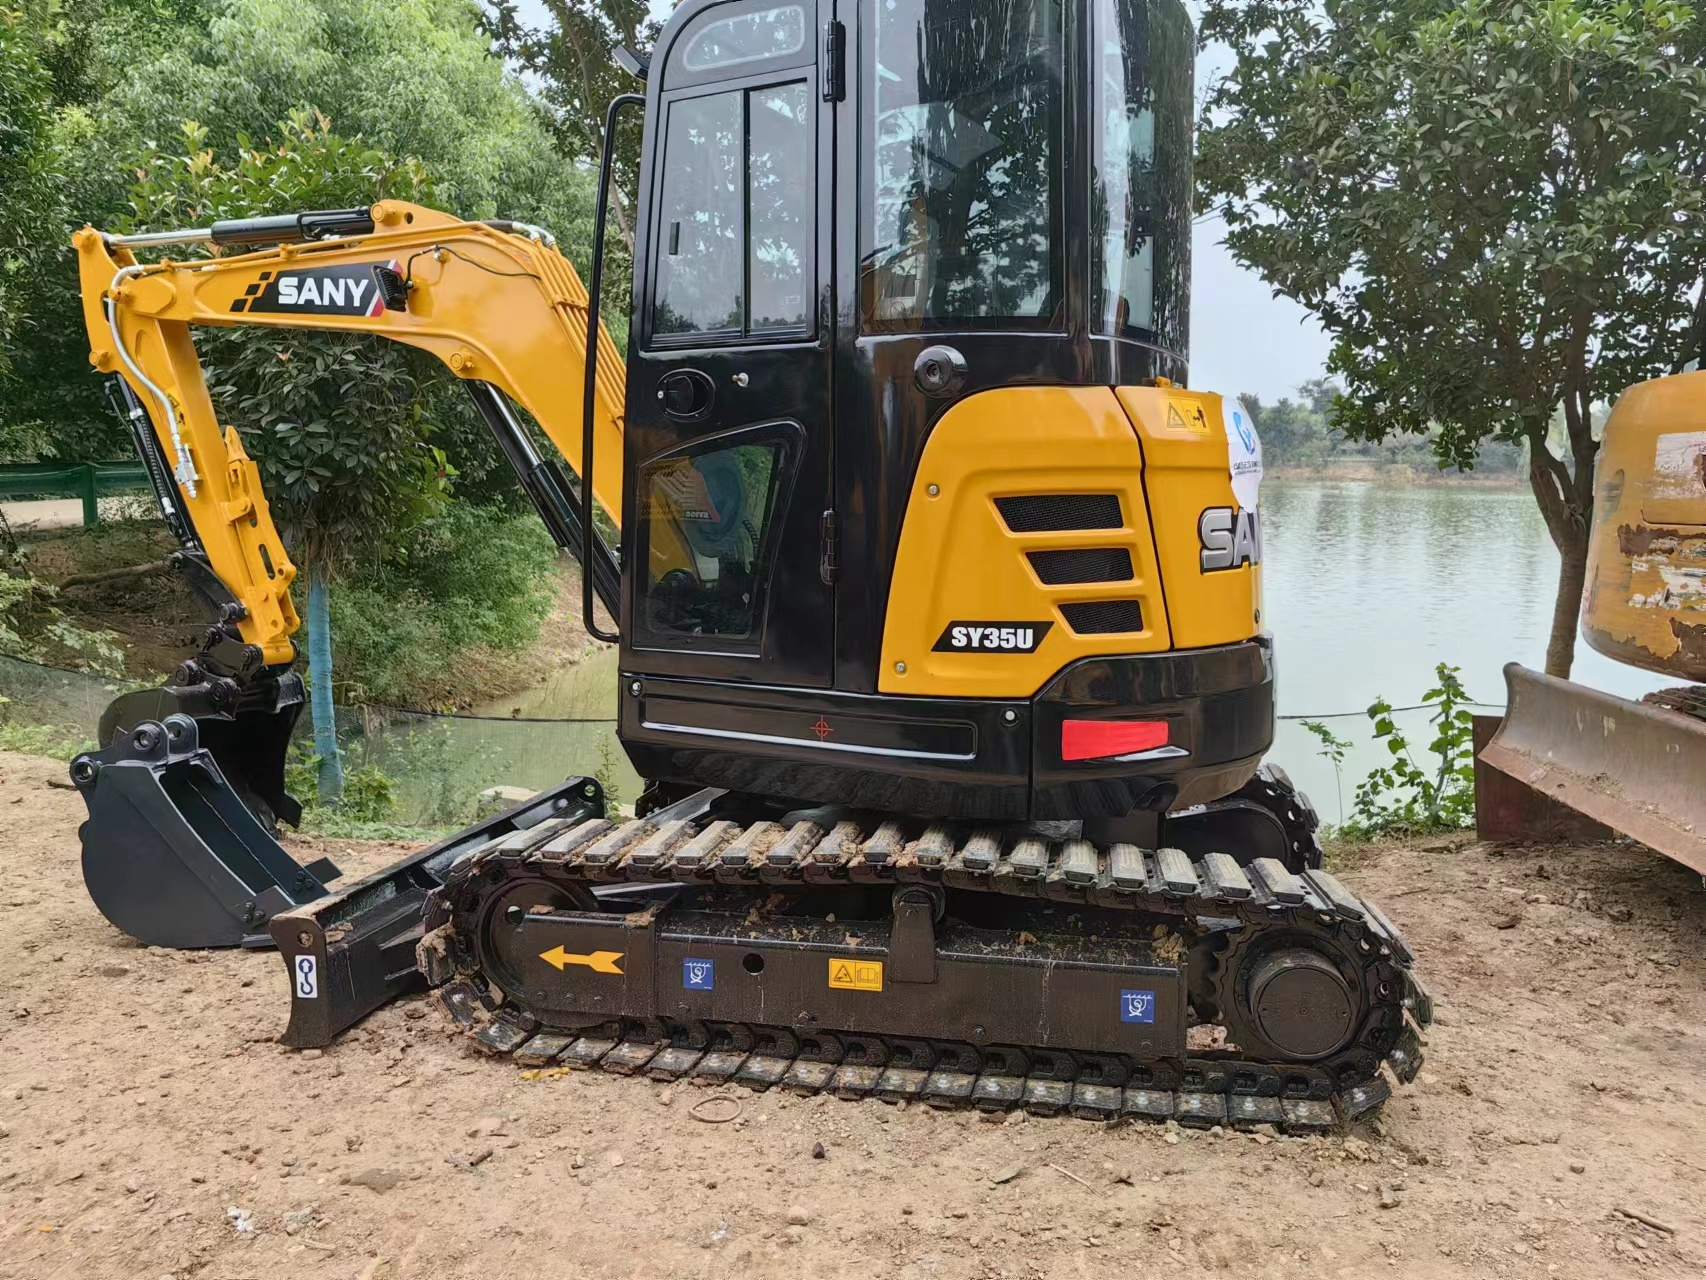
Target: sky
(1242, 338)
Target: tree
(1495, 208)
(410, 77)
(26, 190)
(578, 76)
(574, 68)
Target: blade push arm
(495, 306)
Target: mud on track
(142, 1099)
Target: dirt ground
(149, 1126)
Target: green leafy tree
(26, 187)
(572, 62)
(410, 77)
(1497, 209)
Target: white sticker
(1679, 465)
(1244, 448)
(307, 973)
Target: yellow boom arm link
(493, 305)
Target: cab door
(727, 527)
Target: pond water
(1366, 586)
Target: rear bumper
(991, 759)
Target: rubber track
(1154, 883)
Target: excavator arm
(178, 849)
(496, 302)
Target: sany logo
(320, 291)
(312, 291)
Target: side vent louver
(1082, 564)
(1056, 512)
(1102, 617)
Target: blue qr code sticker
(699, 975)
(1137, 1006)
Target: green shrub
(469, 577)
(1403, 797)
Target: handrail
(589, 530)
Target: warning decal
(1191, 419)
(856, 975)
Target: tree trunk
(1566, 503)
(1567, 607)
(331, 776)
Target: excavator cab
(911, 490)
(938, 598)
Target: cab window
(735, 216)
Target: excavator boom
(499, 305)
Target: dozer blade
(171, 854)
(1639, 769)
(354, 950)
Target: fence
(88, 481)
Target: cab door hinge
(829, 564)
(834, 74)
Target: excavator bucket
(171, 854)
(1638, 768)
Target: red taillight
(1093, 739)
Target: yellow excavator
(938, 602)
(1636, 767)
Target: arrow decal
(597, 961)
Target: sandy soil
(149, 1126)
